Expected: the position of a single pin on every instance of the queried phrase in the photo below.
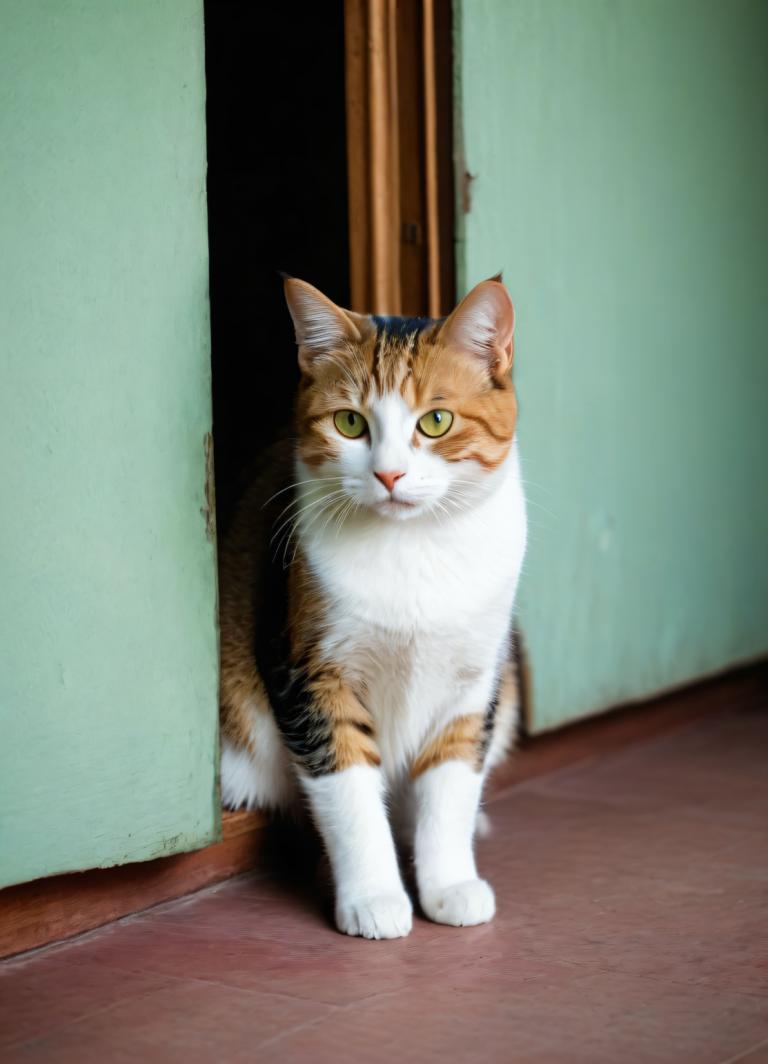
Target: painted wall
(108, 673)
(620, 154)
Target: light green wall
(108, 669)
(621, 157)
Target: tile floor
(632, 927)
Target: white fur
(349, 810)
(420, 584)
(446, 801)
(263, 779)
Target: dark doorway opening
(277, 200)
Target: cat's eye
(350, 423)
(436, 423)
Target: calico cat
(366, 594)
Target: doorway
(277, 200)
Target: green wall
(621, 157)
(108, 669)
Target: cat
(366, 594)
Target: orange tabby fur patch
(420, 368)
(459, 741)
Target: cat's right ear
(321, 326)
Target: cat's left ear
(321, 327)
(483, 325)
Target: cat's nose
(389, 479)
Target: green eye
(350, 423)
(436, 423)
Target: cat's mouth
(393, 506)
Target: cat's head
(405, 416)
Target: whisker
(305, 529)
(294, 525)
(332, 511)
(540, 506)
(305, 508)
(298, 484)
(294, 502)
(533, 484)
(291, 520)
(341, 515)
(437, 503)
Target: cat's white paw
(462, 904)
(382, 916)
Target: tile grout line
(659, 979)
(275, 1039)
(168, 980)
(171, 978)
(308, 1024)
(89, 1015)
(746, 1053)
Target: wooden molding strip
(49, 910)
(432, 209)
(399, 155)
(371, 90)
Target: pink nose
(389, 479)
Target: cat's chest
(401, 590)
(418, 634)
(417, 618)
(414, 683)
(411, 583)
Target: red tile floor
(632, 927)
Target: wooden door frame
(400, 156)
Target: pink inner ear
(483, 323)
(318, 322)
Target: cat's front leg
(348, 807)
(448, 781)
(332, 738)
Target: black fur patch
(306, 733)
(489, 723)
(400, 328)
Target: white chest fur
(419, 611)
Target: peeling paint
(208, 510)
(466, 191)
